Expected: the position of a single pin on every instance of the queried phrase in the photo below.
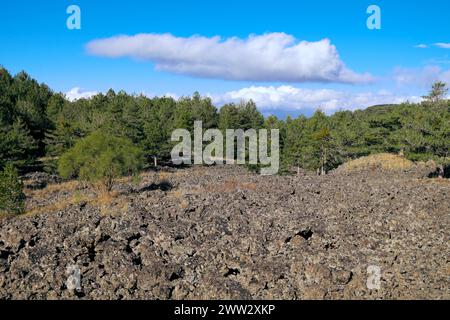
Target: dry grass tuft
(52, 207)
(384, 161)
(184, 204)
(176, 194)
(179, 195)
(114, 208)
(438, 181)
(105, 198)
(53, 189)
(232, 185)
(59, 197)
(164, 176)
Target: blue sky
(34, 37)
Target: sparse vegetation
(438, 92)
(37, 124)
(383, 161)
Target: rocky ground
(225, 233)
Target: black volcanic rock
(225, 233)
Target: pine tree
(322, 139)
(158, 126)
(293, 143)
(17, 146)
(438, 92)
(101, 157)
(12, 198)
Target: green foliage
(438, 92)
(23, 118)
(241, 116)
(157, 128)
(55, 106)
(12, 198)
(420, 131)
(35, 122)
(101, 157)
(17, 147)
(195, 108)
(425, 132)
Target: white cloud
(421, 46)
(442, 45)
(268, 57)
(292, 98)
(287, 98)
(77, 93)
(152, 95)
(421, 77)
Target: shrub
(101, 157)
(384, 161)
(12, 198)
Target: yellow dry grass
(53, 189)
(438, 181)
(96, 196)
(59, 205)
(164, 176)
(110, 203)
(104, 198)
(184, 204)
(53, 207)
(118, 207)
(176, 194)
(179, 195)
(384, 161)
(233, 185)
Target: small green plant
(101, 157)
(136, 179)
(12, 198)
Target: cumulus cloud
(442, 45)
(268, 57)
(421, 77)
(152, 95)
(287, 98)
(291, 98)
(78, 93)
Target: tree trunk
(441, 173)
(155, 161)
(109, 184)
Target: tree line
(40, 124)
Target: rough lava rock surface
(225, 233)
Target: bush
(384, 161)
(12, 198)
(101, 157)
